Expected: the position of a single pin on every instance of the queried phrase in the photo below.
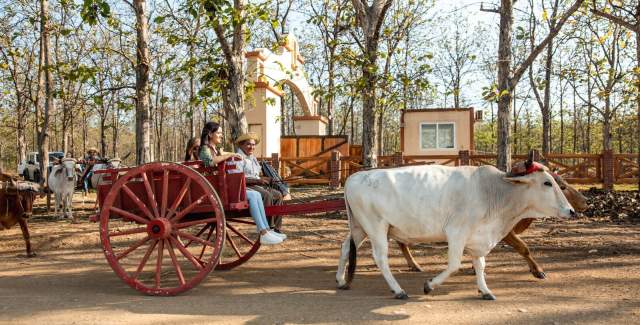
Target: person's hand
(265, 180)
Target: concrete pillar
(334, 170)
(398, 159)
(464, 156)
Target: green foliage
(92, 10)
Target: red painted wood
(303, 208)
(130, 250)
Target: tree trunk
(638, 91)
(575, 121)
(233, 96)
(515, 122)
(369, 158)
(380, 131)
(143, 122)
(370, 19)
(504, 86)
(561, 118)
(49, 106)
(331, 98)
(546, 109)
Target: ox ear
(518, 180)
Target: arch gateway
(267, 71)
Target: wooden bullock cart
(164, 226)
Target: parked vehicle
(30, 169)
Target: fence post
(608, 169)
(334, 170)
(398, 159)
(275, 162)
(464, 157)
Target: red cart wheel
(147, 218)
(241, 242)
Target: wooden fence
(606, 168)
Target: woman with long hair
(211, 137)
(192, 150)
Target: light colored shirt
(249, 165)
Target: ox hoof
(488, 296)
(32, 254)
(402, 295)
(427, 288)
(345, 286)
(539, 275)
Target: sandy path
(593, 278)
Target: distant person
(91, 157)
(193, 147)
(210, 155)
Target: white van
(30, 169)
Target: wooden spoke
(128, 232)
(137, 201)
(165, 193)
(194, 238)
(174, 260)
(129, 215)
(192, 223)
(240, 234)
(198, 234)
(144, 260)
(132, 248)
(188, 209)
(159, 263)
(151, 196)
(208, 238)
(233, 245)
(178, 200)
(186, 253)
(241, 221)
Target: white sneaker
(270, 239)
(279, 234)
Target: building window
(437, 136)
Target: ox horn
(529, 161)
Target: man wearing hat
(252, 171)
(91, 157)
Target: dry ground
(593, 278)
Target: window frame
(437, 124)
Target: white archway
(268, 71)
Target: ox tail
(351, 267)
(353, 249)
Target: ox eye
(547, 183)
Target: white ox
(468, 207)
(62, 182)
(97, 178)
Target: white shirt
(249, 165)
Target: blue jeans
(256, 209)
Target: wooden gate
(304, 158)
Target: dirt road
(593, 273)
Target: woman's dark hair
(206, 130)
(192, 144)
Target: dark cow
(16, 204)
(577, 200)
